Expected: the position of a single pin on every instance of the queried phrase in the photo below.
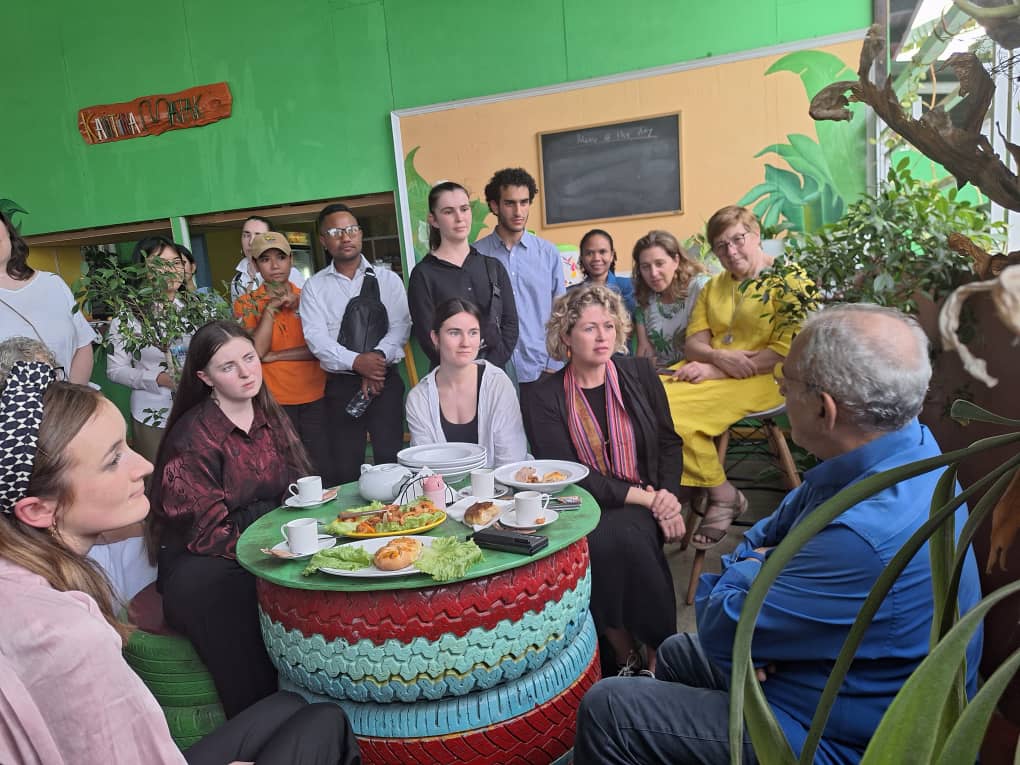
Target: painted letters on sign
(152, 115)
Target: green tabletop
(265, 532)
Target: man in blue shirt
(535, 268)
(854, 381)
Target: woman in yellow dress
(734, 340)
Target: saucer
(500, 489)
(297, 503)
(325, 542)
(509, 519)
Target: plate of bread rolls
(391, 556)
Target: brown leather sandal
(715, 526)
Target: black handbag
(365, 321)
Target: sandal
(715, 529)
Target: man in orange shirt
(291, 372)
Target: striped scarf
(619, 460)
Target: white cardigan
(500, 428)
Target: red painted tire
(542, 735)
(430, 612)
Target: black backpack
(365, 321)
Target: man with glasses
(356, 322)
(854, 380)
(246, 276)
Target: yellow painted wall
(65, 261)
(223, 246)
(728, 112)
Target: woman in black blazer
(610, 413)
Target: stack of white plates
(453, 461)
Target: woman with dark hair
(147, 371)
(68, 695)
(598, 262)
(228, 456)
(39, 304)
(455, 269)
(666, 284)
(609, 412)
(466, 399)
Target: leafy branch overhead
(957, 143)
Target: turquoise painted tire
(453, 665)
(475, 710)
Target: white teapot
(382, 482)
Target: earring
(53, 530)
(569, 354)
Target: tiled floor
(762, 503)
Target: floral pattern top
(666, 323)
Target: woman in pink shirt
(66, 694)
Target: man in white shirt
(246, 276)
(367, 364)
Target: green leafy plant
(824, 174)
(930, 720)
(135, 294)
(893, 247)
(9, 207)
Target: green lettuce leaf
(414, 522)
(344, 557)
(448, 559)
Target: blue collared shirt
(536, 273)
(809, 609)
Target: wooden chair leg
(777, 440)
(696, 566)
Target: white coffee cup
(307, 489)
(483, 483)
(530, 507)
(302, 535)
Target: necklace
(728, 337)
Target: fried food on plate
(397, 554)
(481, 513)
(554, 475)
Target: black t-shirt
(466, 432)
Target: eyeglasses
(781, 378)
(722, 247)
(336, 233)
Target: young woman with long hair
(67, 476)
(227, 459)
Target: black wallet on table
(510, 541)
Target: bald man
(854, 381)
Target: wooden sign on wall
(153, 115)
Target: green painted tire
(194, 722)
(146, 645)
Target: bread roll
(526, 474)
(481, 513)
(397, 554)
(554, 475)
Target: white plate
(501, 491)
(441, 455)
(370, 546)
(573, 470)
(457, 510)
(296, 504)
(509, 518)
(325, 542)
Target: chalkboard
(616, 170)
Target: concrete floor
(762, 501)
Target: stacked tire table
(486, 669)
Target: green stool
(171, 669)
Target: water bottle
(358, 405)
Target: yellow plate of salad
(415, 517)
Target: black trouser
(212, 602)
(309, 421)
(383, 421)
(282, 729)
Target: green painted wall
(313, 84)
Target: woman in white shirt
(40, 305)
(150, 380)
(465, 399)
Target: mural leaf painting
(825, 175)
(9, 207)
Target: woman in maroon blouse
(227, 458)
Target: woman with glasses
(146, 371)
(667, 283)
(735, 338)
(39, 304)
(455, 269)
(466, 399)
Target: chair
(751, 430)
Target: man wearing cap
(246, 275)
(291, 372)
